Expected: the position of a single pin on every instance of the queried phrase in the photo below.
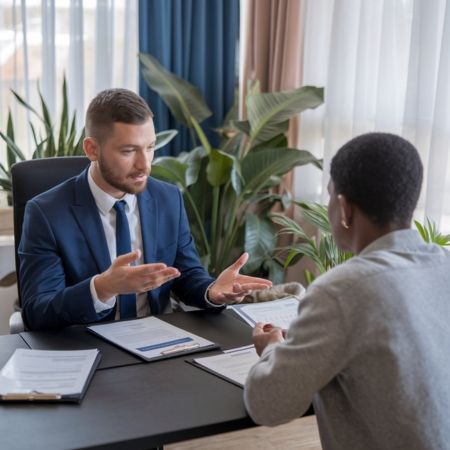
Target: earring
(344, 224)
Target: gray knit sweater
(370, 348)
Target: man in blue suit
(111, 243)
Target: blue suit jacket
(63, 246)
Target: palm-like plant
(229, 190)
(322, 248)
(430, 233)
(49, 139)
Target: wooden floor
(301, 434)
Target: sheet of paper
(47, 371)
(233, 364)
(277, 312)
(150, 337)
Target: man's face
(124, 158)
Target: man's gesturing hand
(232, 287)
(121, 278)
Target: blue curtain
(196, 40)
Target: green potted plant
(321, 248)
(230, 190)
(49, 139)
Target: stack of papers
(48, 375)
(151, 338)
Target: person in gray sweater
(371, 343)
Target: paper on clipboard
(47, 374)
(232, 365)
(151, 338)
(277, 312)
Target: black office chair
(30, 178)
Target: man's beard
(117, 183)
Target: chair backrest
(30, 178)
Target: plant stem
(214, 221)
(194, 141)
(201, 135)
(230, 235)
(199, 221)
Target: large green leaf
(268, 113)
(164, 137)
(183, 99)
(26, 105)
(11, 156)
(4, 170)
(316, 214)
(6, 184)
(242, 126)
(168, 168)
(258, 166)
(62, 146)
(260, 240)
(194, 161)
(51, 149)
(219, 167)
(275, 271)
(12, 146)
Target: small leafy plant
(322, 248)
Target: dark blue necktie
(127, 302)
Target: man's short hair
(380, 173)
(115, 105)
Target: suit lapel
(88, 218)
(149, 224)
(149, 229)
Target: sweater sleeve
(281, 385)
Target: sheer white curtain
(385, 66)
(94, 43)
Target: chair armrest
(16, 324)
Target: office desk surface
(137, 406)
(78, 338)
(8, 345)
(224, 329)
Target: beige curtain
(272, 52)
(271, 48)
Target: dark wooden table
(131, 404)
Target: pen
(180, 348)
(31, 396)
(239, 349)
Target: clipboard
(137, 336)
(211, 364)
(41, 395)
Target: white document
(47, 372)
(151, 338)
(277, 312)
(233, 365)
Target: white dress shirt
(105, 204)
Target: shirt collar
(104, 201)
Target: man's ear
(346, 210)
(91, 148)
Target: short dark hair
(115, 105)
(382, 174)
